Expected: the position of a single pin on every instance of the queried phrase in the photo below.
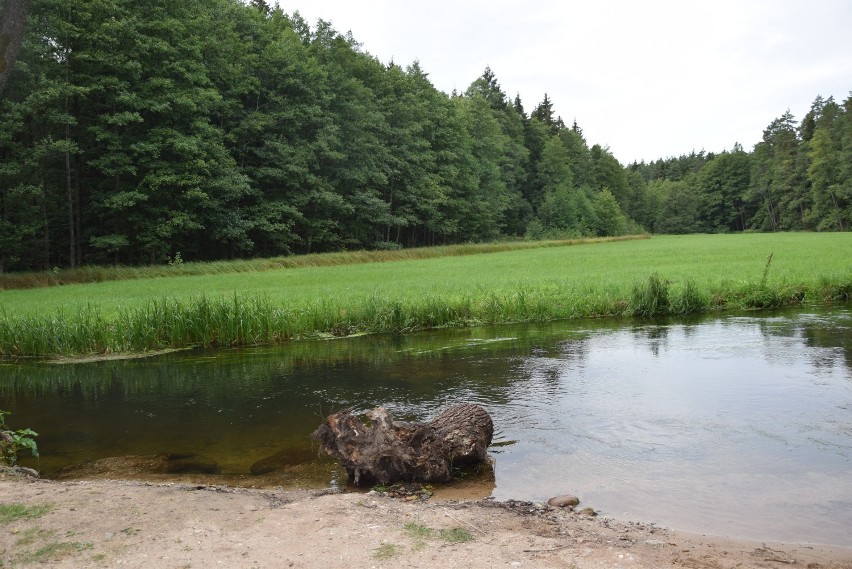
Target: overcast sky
(649, 79)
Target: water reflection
(737, 425)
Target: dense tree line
(145, 131)
(798, 178)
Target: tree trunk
(69, 194)
(45, 263)
(72, 238)
(12, 22)
(839, 210)
(386, 451)
(78, 210)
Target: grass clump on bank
(661, 276)
(14, 512)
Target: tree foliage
(137, 131)
(797, 178)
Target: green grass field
(696, 273)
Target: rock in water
(384, 451)
(565, 501)
(21, 471)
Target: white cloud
(649, 79)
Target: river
(737, 425)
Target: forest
(144, 132)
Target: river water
(730, 425)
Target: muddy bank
(100, 523)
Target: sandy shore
(102, 523)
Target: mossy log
(383, 451)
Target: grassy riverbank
(663, 275)
(178, 268)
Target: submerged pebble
(564, 501)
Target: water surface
(735, 425)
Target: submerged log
(384, 451)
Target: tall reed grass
(644, 279)
(257, 320)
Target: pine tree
(544, 113)
(830, 188)
(772, 190)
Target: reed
(650, 299)
(647, 278)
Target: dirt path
(135, 524)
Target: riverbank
(667, 275)
(134, 524)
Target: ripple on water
(729, 425)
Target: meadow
(625, 278)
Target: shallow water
(736, 425)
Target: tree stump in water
(385, 451)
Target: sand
(115, 523)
